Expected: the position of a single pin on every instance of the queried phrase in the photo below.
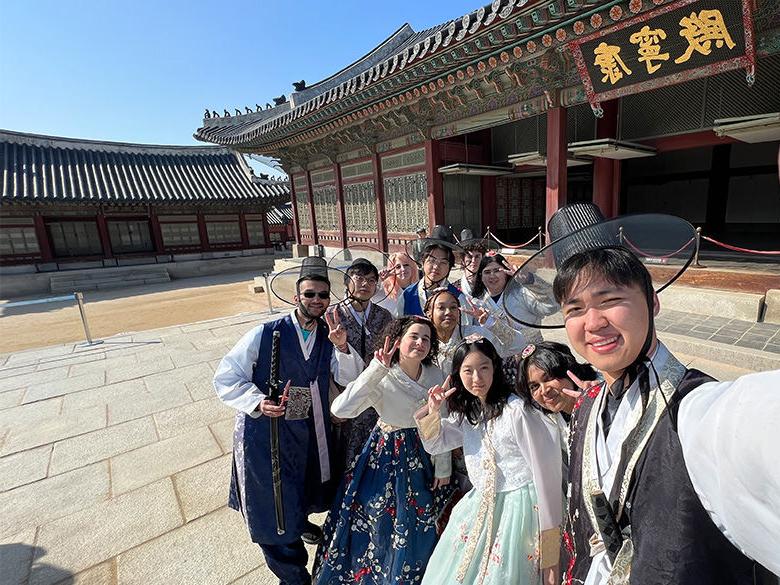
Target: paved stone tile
(146, 402)
(751, 344)
(191, 416)
(15, 380)
(212, 550)
(772, 347)
(10, 371)
(11, 398)
(100, 532)
(698, 334)
(102, 574)
(223, 431)
(152, 462)
(70, 360)
(53, 429)
(102, 444)
(706, 329)
(60, 386)
(185, 358)
(46, 500)
(16, 555)
(104, 365)
(33, 356)
(728, 339)
(260, 576)
(204, 488)
(102, 395)
(139, 370)
(23, 468)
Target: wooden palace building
(69, 204)
(501, 116)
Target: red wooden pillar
(381, 212)
(435, 183)
(157, 239)
(204, 234)
(557, 148)
(315, 236)
(42, 235)
(606, 171)
(488, 203)
(243, 230)
(340, 204)
(266, 229)
(105, 238)
(296, 225)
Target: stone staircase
(107, 278)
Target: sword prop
(276, 467)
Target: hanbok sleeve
(233, 378)
(363, 393)
(439, 434)
(537, 297)
(346, 367)
(399, 305)
(442, 465)
(539, 444)
(729, 432)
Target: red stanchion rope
(505, 245)
(664, 257)
(738, 249)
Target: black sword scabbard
(276, 464)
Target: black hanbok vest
(674, 540)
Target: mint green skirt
(514, 555)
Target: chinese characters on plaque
(677, 42)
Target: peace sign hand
(583, 385)
(385, 272)
(480, 313)
(438, 394)
(336, 332)
(384, 355)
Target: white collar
(307, 344)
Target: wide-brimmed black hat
(467, 240)
(284, 284)
(666, 244)
(441, 235)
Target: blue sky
(144, 71)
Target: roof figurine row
(278, 101)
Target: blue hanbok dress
(382, 528)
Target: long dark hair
(463, 402)
(554, 359)
(398, 327)
(479, 286)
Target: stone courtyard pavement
(115, 463)
(115, 459)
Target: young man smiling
(310, 353)
(633, 511)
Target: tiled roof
(46, 168)
(280, 214)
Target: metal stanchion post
(696, 253)
(268, 292)
(620, 235)
(541, 238)
(80, 300)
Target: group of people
(451, 444)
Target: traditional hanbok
(382, 528)
(241, 382)
(649, 467)
(507, 528)
(364, 329)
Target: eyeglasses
(364, 280)
(310, 294)
(430, 260)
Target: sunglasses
(309, 294)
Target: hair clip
(529, 349)
(490, 253)
(473, 338)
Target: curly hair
(397, 328)
(554, 359)
(464, 403)
(431, 302)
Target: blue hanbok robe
(241, 381)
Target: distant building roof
(39, 168)
(280, 214)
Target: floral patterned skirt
(382, 528)
(514, 554)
